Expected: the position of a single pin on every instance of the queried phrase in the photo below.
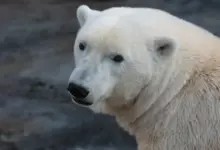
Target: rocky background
(36, 40)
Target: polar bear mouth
(82, 102)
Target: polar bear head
(118, 52)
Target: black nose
(77, 90)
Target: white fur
(169, 100)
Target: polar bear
(157, 74)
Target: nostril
(77, 91)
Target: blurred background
(36, 40)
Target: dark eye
(162, 49)
(82, 46)
(118, 58)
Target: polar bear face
(113, 60)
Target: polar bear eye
(82, 46)
(118, 58)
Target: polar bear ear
(83, 12)
(165, 46)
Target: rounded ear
(165, 46)
(83, 12)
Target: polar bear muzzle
(79, 94)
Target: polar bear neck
(152, 106)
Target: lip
(81, 102)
